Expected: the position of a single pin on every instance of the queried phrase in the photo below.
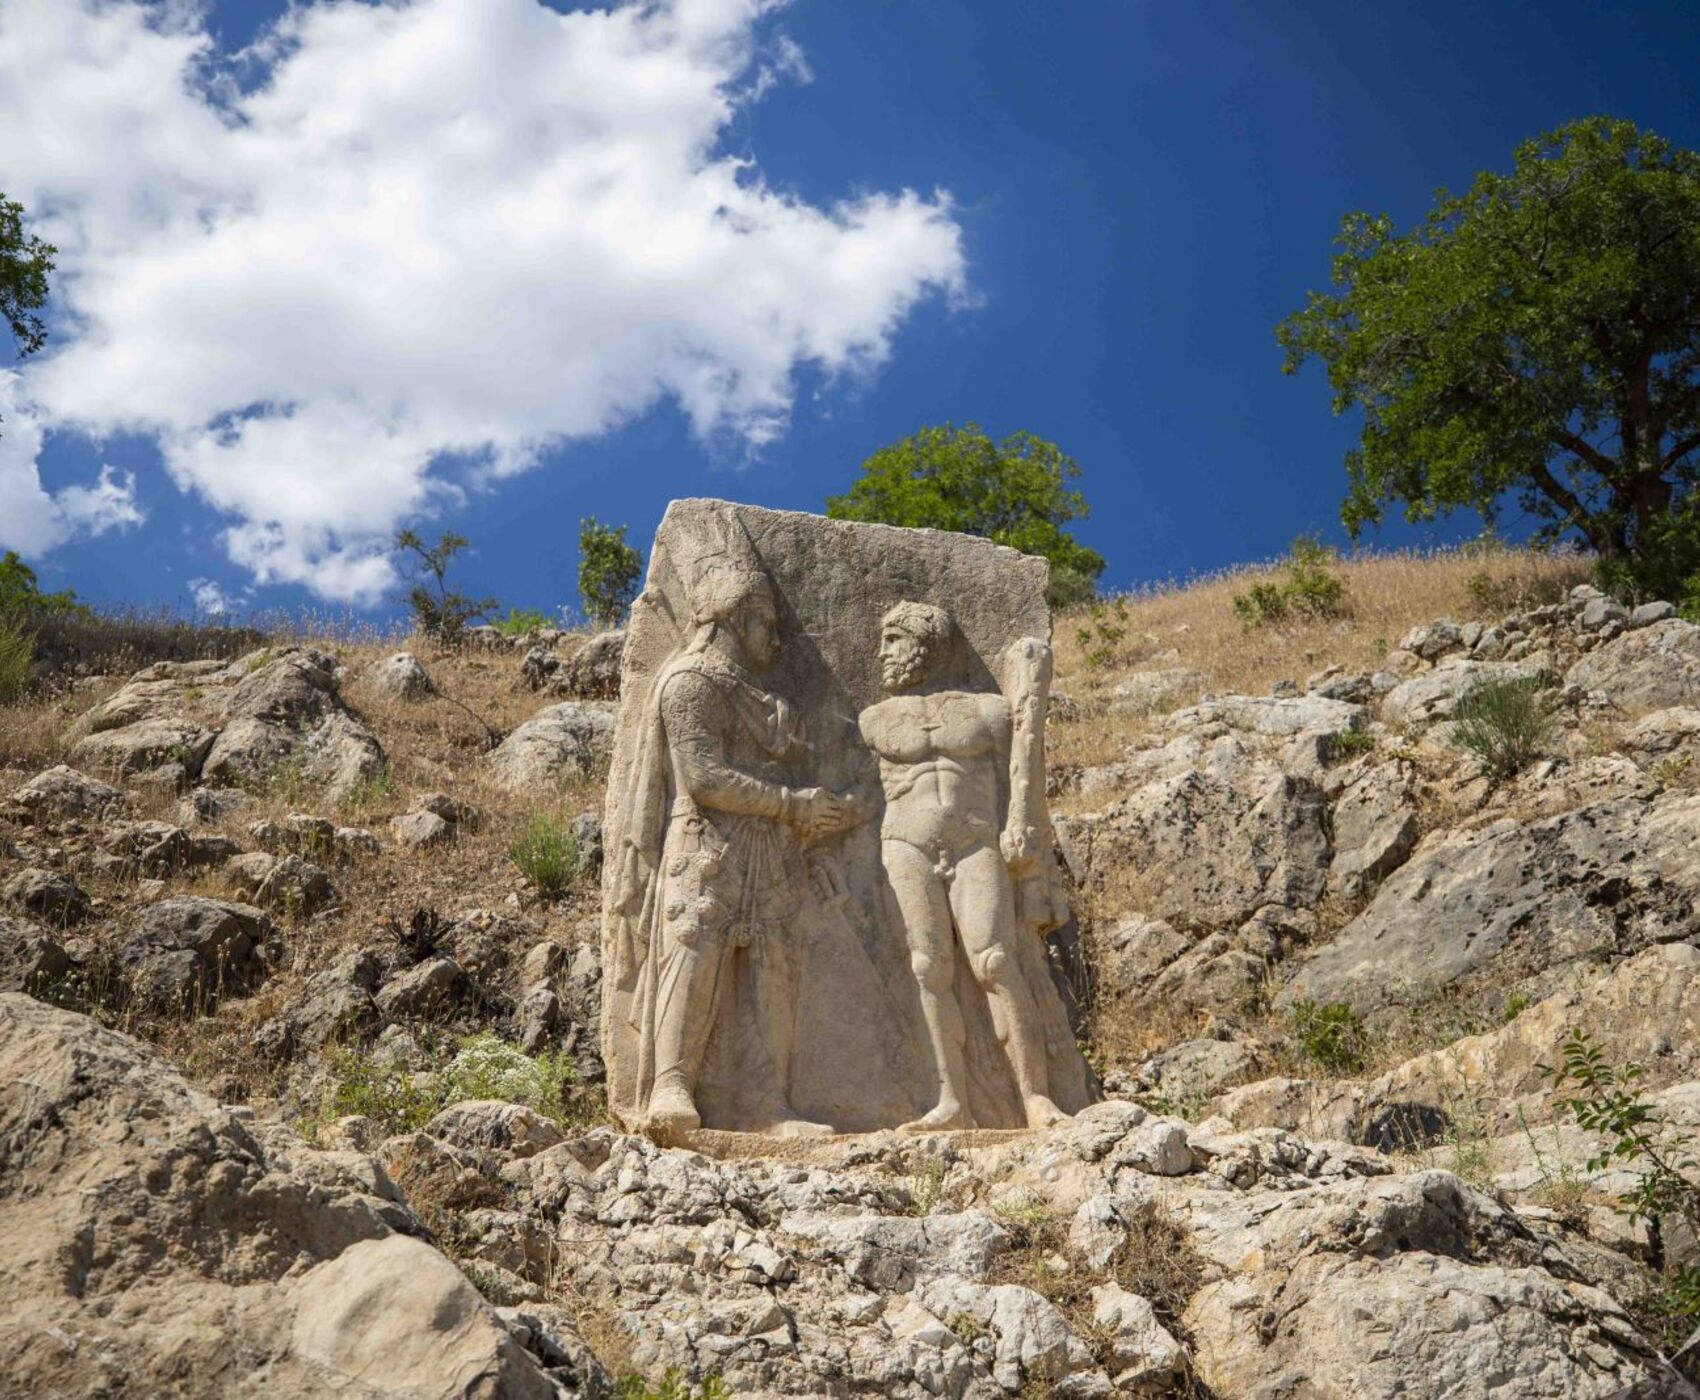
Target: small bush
(609, 572)
(380, 1089)
(673, 1386)
(1105, 627)
(1503, 723)
(487, 1067)
(1332, 1036)
(1606, 1099)
(1349, 744)
(438, 610)
(17, 658)
(1260, 604)
(1311, 589)
(547, 854)
(521, 621)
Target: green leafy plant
(1503, 722)
(673, 1386)
(1349, 744)
(1310, 590)
(438, 610)
(20, 592)
(1102, 633)
(609, 572)
(17, 658)
(1608, 1100)
(1018, 492)
(548, 855)
(1534, 336)
(1331, 1036)
(381, 1089)
(521, 621)
(487, 1067)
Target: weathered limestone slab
(829, 862)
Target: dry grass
(433, 745)
(1157, 1260)
(1193, 626)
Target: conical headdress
(721, 570)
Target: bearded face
(903, 658)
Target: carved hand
(818, 812)
(1020, 847)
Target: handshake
(819, 813)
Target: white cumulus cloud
(394, 248)
(33, 519)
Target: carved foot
(949, 1114)
(801, 1128)
(1042, 1113)
(672, 1111)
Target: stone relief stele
(830, 868)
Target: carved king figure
(713, 876)
(956, 854)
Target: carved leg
(684, 1015)
(774, 972)
(982, 898)
(925, 911)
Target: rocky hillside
(299, 981)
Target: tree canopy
(25, 262)
(1016, 492)
(1537, 335)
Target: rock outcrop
(156, 1243)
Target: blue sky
(1137, 194)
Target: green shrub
(1607, 1100)
(1503, 723)
(1349, 744)
(487, 1067)
(377, 1088)
(521, 621)
(1106, 625)
(1331, 1036)
(609, 572)
(673, 1386)
(547, 854)
(17, 658)
(438, 610)
(20, 593)
(1310, 590)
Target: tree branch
(1569, 502)
(1587, 452)
(1683, 447)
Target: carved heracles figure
(960, 838)
(713, 875)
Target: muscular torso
(942, 761)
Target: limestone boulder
(563, 741)
(335, 1004)
(134, 1257)
(47, 895)
(1150, 692)
(593, 671)
(1276, 716)
(1515, 899)
(1433, 695)
(61, 793)
(1402, 1286)
(190, 951)
(286, 884)
(1212, 844)
(1374, 826)
(31, 960)
(395, 1317)
(401, 677)
(510, 1129)
(147, 744)
(1649, 668)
